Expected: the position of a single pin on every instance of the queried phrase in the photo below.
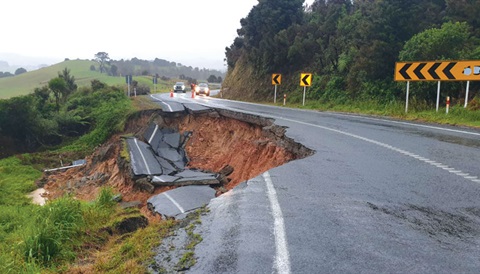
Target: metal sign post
(304, 91)
(438, 95)
(275, 96)
(408, 91)
(466, 94)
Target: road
(378, 196)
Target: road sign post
(408, 91)
(305, 81)
(438, 95)
(466, 94)
(276, 80)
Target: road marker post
(448, 103)
(193, 93)
(284, 99)
(438, 95)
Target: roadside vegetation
(60, 121)
(351, 48)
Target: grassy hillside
(27, 82)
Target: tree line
(157, 67)
(351, 46)
(9, 74)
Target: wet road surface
(378, 196)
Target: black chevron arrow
(418, 72)
(433, 72)
(275, 79)
(448, 72)
(403, 71)
(304, 79)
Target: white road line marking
(169, 107)
(423, 159)
(174, 202)
(143, 157)
(282, 257)
(153, 134)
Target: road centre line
(143, 157)
(282, 257)
(174, 202)
(407, 153)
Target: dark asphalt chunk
(143, 159)
(178, 202)
(169, 153)
(168, 169)
(172, 139)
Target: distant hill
(26, 83)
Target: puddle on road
(441, 225)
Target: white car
(179, 87)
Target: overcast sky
(192, 32)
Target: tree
(71, 86)
(212, 79)
(102, 58)
(114, 70)
(20, 71)
(58, 87)
(450, 42)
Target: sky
(191, 32)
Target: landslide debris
(234, 145)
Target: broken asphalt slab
(177, 203)
(143, 160)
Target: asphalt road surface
(378, 196)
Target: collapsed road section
(215, 149)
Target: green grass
(25, 83)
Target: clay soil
(216, 141)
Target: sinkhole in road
(250, 144)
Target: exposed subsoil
(249, 144)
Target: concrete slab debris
(178, 202)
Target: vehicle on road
(179, 87)
(202, 88)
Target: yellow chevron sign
(438, 71)
(276, 79)
(305, 79)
